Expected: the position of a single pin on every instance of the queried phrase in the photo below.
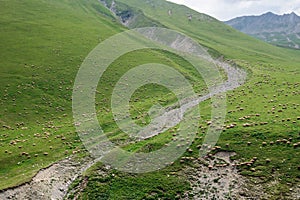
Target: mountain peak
(294, 14)
(269, 13)
(271, 27)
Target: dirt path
(50, 183)
(170, 118)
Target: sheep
(284, 141)
(246, 125)
(218, 147)
(24, 154)
(264, 144)
(278, 141)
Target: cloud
(228, 9)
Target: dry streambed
(52, 182)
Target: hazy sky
(228, 9)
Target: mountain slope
(207, 30)
(43, 43)
(272, 87)
(282, 30)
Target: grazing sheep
(253, 169)
(218, 147)
(284, 141)
(246, 125)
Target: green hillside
(43, 44)
(209, 32)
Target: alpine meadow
(42, 156)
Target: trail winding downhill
(170, 118)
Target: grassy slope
(59, 39)
(42, 46)
(280, 39)
(272, 87)
(210, 32)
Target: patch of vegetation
(104, 183)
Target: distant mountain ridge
(281, 30)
